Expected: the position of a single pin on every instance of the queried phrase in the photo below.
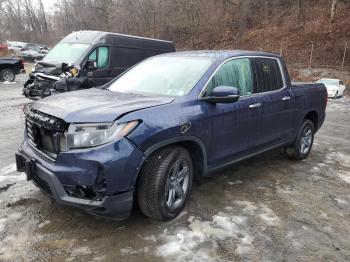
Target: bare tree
(333, 10)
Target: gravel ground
(266, 208)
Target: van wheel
(7, 75)
(302, 145)
(165, 183)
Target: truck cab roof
(224, 54)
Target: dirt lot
(266, 208)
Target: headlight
(90, 135)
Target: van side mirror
(91, 65)
(222, 94)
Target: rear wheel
(165, 183)
(7, 75)
(336, 95)
(302, 145)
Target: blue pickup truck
(169, 120)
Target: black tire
(7, 75)
(336, 95)
(296, 151)
(153, 180)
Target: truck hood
(95, 105)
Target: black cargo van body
(89, 58)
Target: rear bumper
(331, 93)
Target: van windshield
(66, 52)
(169, 76)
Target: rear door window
(268, 75)
(236, 73)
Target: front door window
(235, 73)
(101, 56)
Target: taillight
(21, 63)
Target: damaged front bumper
(100, 180)
(39, 86)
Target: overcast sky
(49, 4)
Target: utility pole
(281, 49)
(333, 10)
(312, 50)
(345, 48)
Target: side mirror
(91, 65)
(222, 94)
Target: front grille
(42, 184)
(45, 132)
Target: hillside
(285, 31)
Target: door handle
(286, 98)
(255, 105)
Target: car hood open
(95, 105)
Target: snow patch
(341, 201)
(41, 225)
(262, 211)
(8, 169)
(338, 158)
(345, 176)
(13, 178)
(13, 244)
(8, 83)
(201, 239)
(9, 174)
(151, 238)
(127, 251)
(285, 189)
(235, 182)
(84, 250)
(315, 169)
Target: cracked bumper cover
(119, 162)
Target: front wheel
(336, 95)
(7, 75)
(165, 183)
(302, 145)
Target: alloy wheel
(7, 75)
(306, 140)
(177, 184)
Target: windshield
(66, 52)
(328, 81)
(170, 76)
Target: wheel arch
(313, 117)
(193, 145)
(7, 66)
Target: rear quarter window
(268, 75)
